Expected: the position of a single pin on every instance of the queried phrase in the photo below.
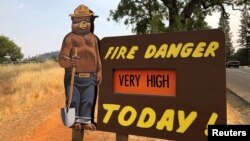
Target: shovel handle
(72, 80)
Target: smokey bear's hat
(82, 11)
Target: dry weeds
(23, 85)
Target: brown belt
(84, 74)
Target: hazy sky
(39, 26)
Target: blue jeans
(82, 98)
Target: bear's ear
(92, 20)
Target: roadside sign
(169, 85)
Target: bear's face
(81, 25)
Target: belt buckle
(84, 74)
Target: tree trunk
(177, 20)
(173, 12)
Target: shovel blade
(68, 116)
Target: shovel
(67, 113)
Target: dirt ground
(43, 123)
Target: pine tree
(244, 29)
(224, 26)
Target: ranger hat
(81, 11)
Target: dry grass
(21, 86)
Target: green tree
(182, 11)
(244, 30)
(197, 21)
(145, 16)
(241, 55)
(181, 14)
(9, 49)
(224, 26)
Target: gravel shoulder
(42, 122)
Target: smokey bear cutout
(87, 65)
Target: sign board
(168, 86)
